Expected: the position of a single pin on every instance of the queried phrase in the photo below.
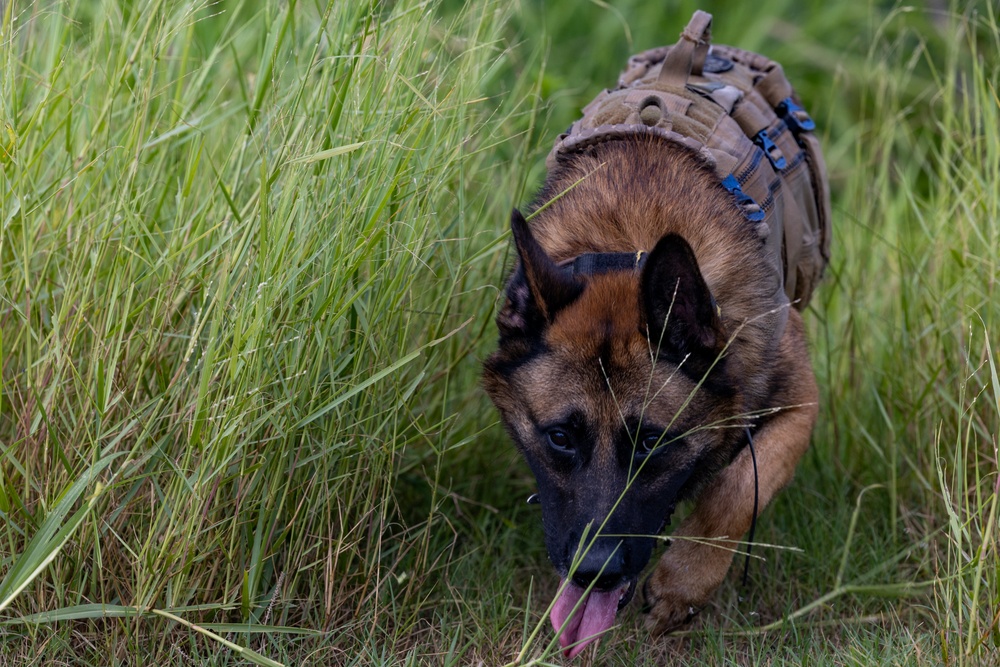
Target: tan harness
(737, 111)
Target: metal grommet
(716, 64)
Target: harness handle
(687, 56)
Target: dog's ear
(679, 311)
(537, 290)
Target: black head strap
(593, 263)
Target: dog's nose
(603, 564)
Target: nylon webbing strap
(688, 55)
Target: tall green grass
(250, 255)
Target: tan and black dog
(642, 343)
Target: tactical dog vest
(737, 111)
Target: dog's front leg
(696, 563)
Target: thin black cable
(756, 495)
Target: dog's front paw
(665, 610)
(682, 583)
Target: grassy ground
(250, 254)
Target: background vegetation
(250, 254)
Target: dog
(645, 358)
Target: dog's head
(616, 388)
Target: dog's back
(737, 113)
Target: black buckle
(770, 149)
(795, 117)
(751, 209)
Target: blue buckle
(770, 149)
(751, 209)
(795, 117)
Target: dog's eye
(650, 441)
(560, 440)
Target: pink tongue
(594, 615)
